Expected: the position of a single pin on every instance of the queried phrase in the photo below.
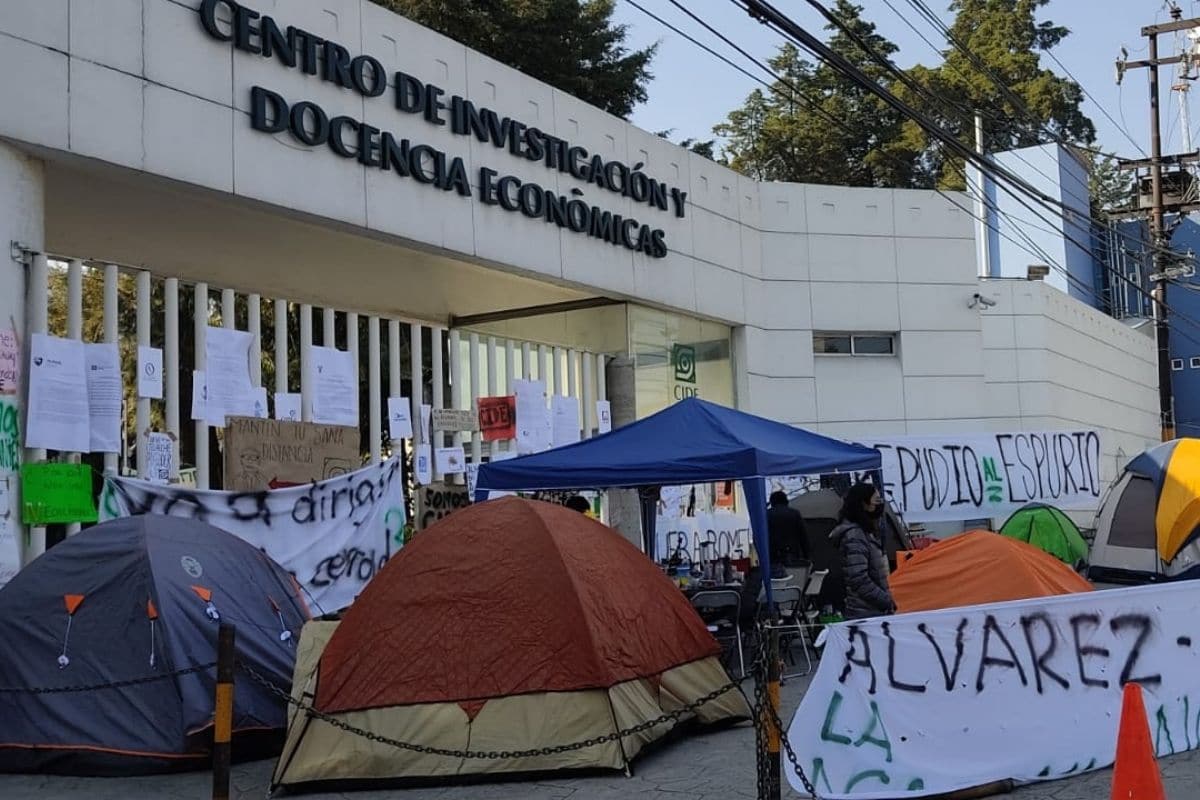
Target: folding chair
(812, 596)
(722, 611)
(790, 603)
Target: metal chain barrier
(111, 685)
(761, 722)
(673, 716)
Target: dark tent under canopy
(692, 441)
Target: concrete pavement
(711, 766)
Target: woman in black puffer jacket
(864, 562)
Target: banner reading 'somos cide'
(950, 477)
(933, 702)
(332, 535)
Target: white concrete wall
(21, 222)
(1053, 362)
(138, 84)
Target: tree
(1002, 41)
(570, 44)
(778, 136)
(701, 147)
(1108, 186)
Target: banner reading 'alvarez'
(975, 476)
(929, 703)
(332, 535)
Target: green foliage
(775, 136)
(570, 44)
(1108, 186)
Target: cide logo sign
(683, 360)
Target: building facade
(333, 155)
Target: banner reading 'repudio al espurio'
(332, 535)
(932, 702)
(977, 476)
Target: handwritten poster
(534, 424)
(453, 420)
(53, 492)
(498, 418)
(928, 703)
(58, 398)
(272, 454)
(10, 435)
(437, 501)
(104, 397)
(149, 371)
(566, 420)
(974, 476)
(10, 546)
(399, 418)
(335, 386)
(704, 536)
(287, 406)
(160, 452)
(332, 547)
(450, 460)
(10, 361)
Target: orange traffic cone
(1135, 772)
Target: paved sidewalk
(710, 766)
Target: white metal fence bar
(200, 336)
(588, 368)
(74, 331)
(374, 382)
(254, 325)
(143, 403)
(469, 402)
(417, 372)
(171, 368)
(456, 382)
(281, 349)
(112, 336)
(306, 341)
(330, 327)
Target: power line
(821, 112)
(788, 28)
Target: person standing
(863, 561)
(786, 534)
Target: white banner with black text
(989, 475)
(332, 535)
(926, 703)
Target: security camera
(979, 300)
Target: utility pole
(1164, 267)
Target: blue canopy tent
(693, 441)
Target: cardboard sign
(271, 454)
(56, 493)
(498, 418)
(439, 500)
(10, 361)
(453, 420)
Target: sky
(692, 90)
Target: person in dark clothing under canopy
(578, 503)
(786, 534)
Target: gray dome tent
(141, 597)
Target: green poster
(52, 493)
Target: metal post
(1162, 329)
(773, 733)
(375, 383)
(223, 713)
(74, 331)
(306, 344)
(983, 246)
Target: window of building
(854, 344)
(1195, 362)
(1176, 364)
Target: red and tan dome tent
(510, 625)
(979, 567)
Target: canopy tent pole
(648, 497)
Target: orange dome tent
(979, 567)
(511, 625)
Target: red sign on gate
(498, 418)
